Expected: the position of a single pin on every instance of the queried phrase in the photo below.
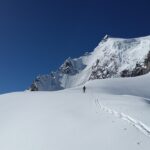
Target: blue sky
(36, 36)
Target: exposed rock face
(113, 57)
(140, 69)
(147, 63)
(68, 67)
(103, 70)
(100, 72)
(33, 87)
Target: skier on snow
(84, 88)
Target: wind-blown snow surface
(109, 59)
(113, 114)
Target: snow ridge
(113, 57)
(136, 123)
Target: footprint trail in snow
(136, 123)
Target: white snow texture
(108, 60)
(112, 114)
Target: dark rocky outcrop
(102, 72)
(140, 69)
(33, 87)
(68, 67)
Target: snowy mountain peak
(113, 57)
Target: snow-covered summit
(113, 57)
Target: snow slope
(113, 57)
(113, 114)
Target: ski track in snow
(136, 123)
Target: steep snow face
(117, 55)
(113, 57)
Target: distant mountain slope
(113, 57)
